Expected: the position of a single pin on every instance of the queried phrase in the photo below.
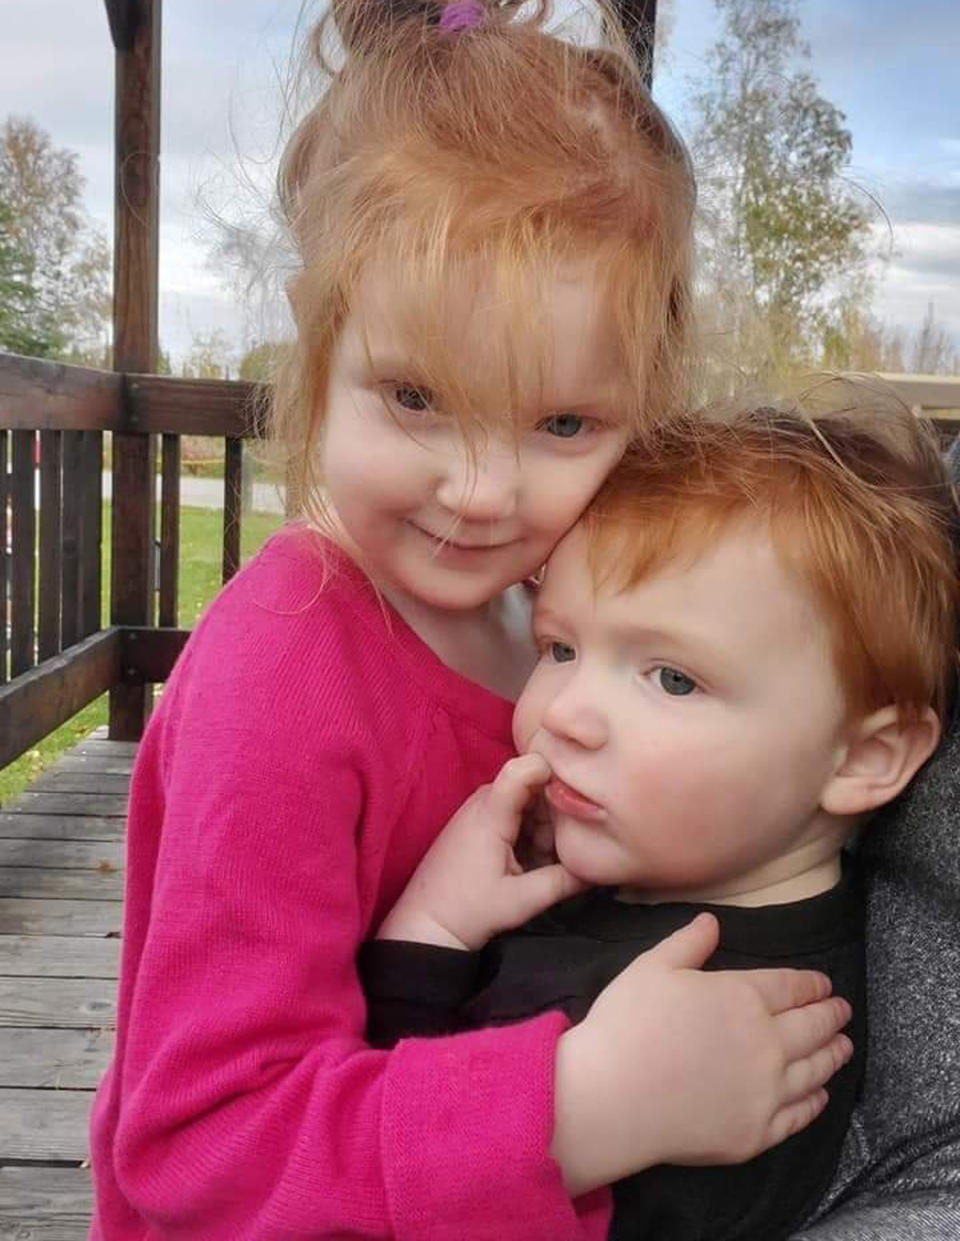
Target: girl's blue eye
(562, 652)
(563, 426)
(409, 396)
(675, 683)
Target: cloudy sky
(891, 68)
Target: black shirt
(565, 958)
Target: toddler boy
(746, 647)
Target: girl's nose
(572, 716)
(486, 489)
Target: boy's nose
(483, 490)
(571, 716)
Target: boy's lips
(570, 802)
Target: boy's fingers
(513, 787)
(796, 1116)
(784, 989)
(803, 1031)
(814, 1071)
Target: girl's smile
(441, 519)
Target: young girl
(493, 230)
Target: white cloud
(924, 268)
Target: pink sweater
(304, 754)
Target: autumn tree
(784, 237)
(64, 257)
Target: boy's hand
(672, 1065)
(470, 886)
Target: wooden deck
(60, 893)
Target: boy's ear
(884, 752)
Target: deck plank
(39, 1057)
(62, 854)
(111, 805)
(58, 917)
(109, 765)
(64, 1003)
(57, 780)
(41, 883)
(45, 1204)
(44, 1124)
(58, 956)
(16, 826)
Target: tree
(16, 295)
(259, 363)
(784, 236)
(933, 350)
(209, 356)
(66, 263)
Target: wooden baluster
(232, 505)
(51, 536)
(23, 543)
(91, 531)
(70, 547)
(170, 530)
(4, 557)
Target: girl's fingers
(686, 949)
(784, 989)
(802, 1031)
(807, 1075)
(515, 784)
(536, 890)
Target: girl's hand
(672, 1065)
(470, 886)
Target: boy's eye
(674, 682)
(561, 652)
(563, 426)
(409, 396)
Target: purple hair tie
(462, 15)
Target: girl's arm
(248, 1105)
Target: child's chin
(582, 853)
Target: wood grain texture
(32, 1058)
(70, 780)
(14, 826)
(45, 1204)
(58, 956)
(83, 804)
(44, 1124)
(64, 1003)
(46, 883)
(62, 854)
(23, 916)
(52, 396)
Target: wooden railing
(55, 654)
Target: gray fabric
(899, 1179)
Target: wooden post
(135, 27)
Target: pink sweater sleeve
(247, 1106)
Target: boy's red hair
(859, 506)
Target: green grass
(201, 537)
